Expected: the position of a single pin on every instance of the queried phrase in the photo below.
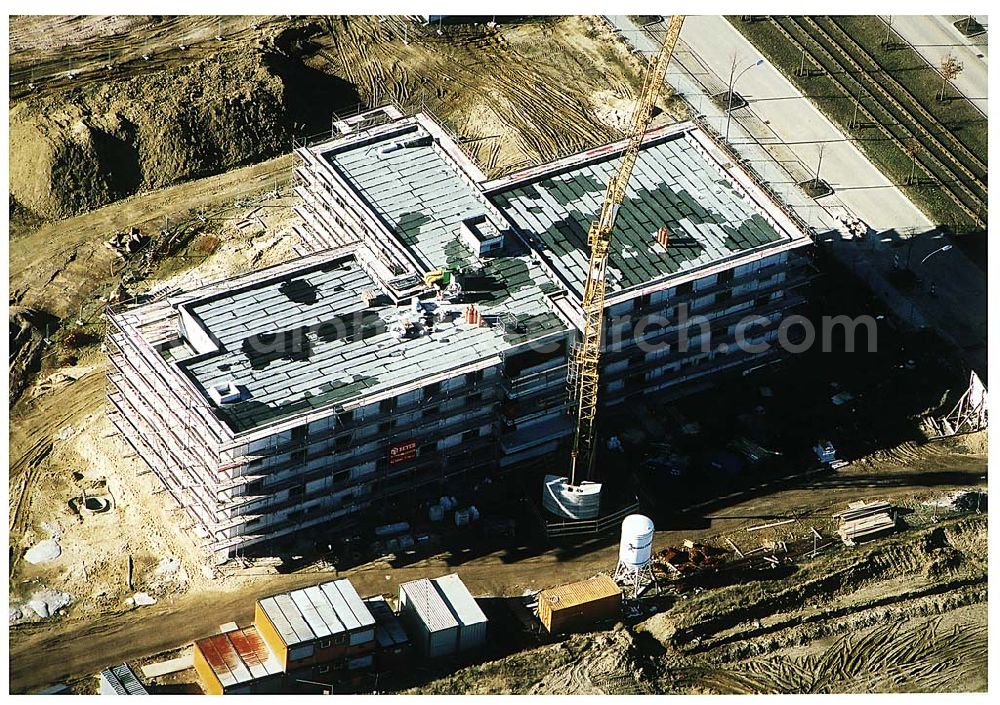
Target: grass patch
(840, 109)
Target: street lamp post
(940, 249)
(732, 82)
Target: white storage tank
(636, 548)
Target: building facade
(421, 340)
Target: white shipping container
(471, 620)
(429, 621)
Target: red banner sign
(403, 451)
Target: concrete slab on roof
(674, 185)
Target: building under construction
(421, 340)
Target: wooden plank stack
(863, 521)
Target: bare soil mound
(84, 147)
(27, 333)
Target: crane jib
(587, 354)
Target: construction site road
(934, 37)
(46, 653)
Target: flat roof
(239, 656)
(389, 630)
(572, 594)
(463, 604)
(429, 604)
(317, 612)
(422, 196)
(675, 184)
(307, 339)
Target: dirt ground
(894, 579)
(906, 613)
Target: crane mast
(587, 355)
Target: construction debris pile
(863, 521)
(690, 557)
(127, 243)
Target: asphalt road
(934, 37)
(797, 123)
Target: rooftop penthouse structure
(420, 341)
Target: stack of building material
(863, 521)
(121, 680)
(579, 605)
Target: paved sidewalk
(934, 37)
(777, 136)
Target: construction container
(318, 625)
(580, 605)
(393, 648)
(428, 619)
(442, 616)
(237, 662)
(471, 620)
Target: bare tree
(819, 163)
(950, 68)
(912, 149)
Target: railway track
(968, 157)
(958, 179)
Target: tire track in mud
(49, 414)
(531, 90)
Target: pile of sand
(78, 150)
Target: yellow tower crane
(585, 379)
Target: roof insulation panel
(674, 185)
